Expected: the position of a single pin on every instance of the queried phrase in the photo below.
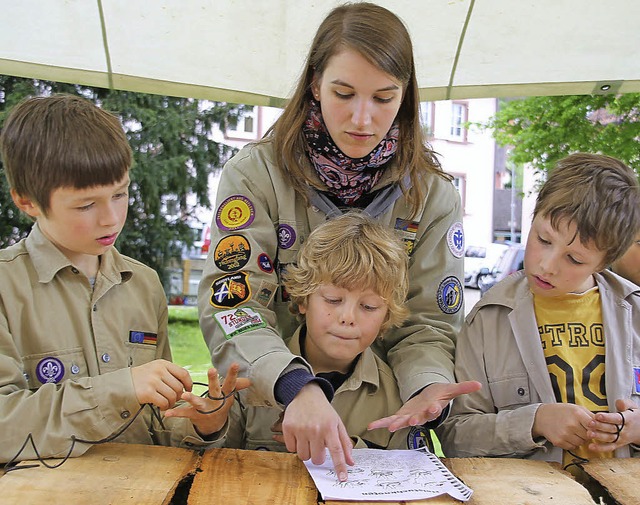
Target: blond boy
(348, 287)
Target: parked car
(477, 257)
(512, 260)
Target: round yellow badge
(235, 213)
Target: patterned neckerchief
(345, 177)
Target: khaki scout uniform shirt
(258, 228)
(370, 393)
(500, 347)
(66, 351)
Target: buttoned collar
(48, 260)
(366, 369)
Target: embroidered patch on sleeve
(143, 337)
(264, 263)
(235, 213)
(450, 295)
(235, 322)
(636, 373)
(455, 239)
(286, 236)
(232, 253)
(265, 293)
(407, 230)
(417, 438)
(229, 291)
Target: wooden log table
(618, 477)
(151, 475)
(522, 481)
(233, 476)
(105, 474)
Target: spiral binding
(452, 479)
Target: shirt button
(75, 270)
(95, 308)
(106, 358)
(125, 414)
(521, 391)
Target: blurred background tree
(174, 157)
(542, 130)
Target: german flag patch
(143, 337)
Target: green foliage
(174, 156)
(13, 224)
(542, 130)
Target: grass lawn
(187, 344)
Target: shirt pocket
(139, 354)
(54, 367)
(510, 392)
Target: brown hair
(62, 141)
(381, 38)
(598, 193)
(353, 250)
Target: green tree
(174, 156)
(542, 130)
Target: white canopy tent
(251, 51)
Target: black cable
(578, 461)
(11, 465)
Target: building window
(460, 182)
(172, 207)
(459, 111)
(245, 126)
(426, 117)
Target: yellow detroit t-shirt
(572, 337)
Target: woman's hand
(425, 406)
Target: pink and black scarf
(346, 178)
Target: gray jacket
(500, 347)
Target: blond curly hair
(352, 250)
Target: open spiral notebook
(389, 475)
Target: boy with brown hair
(557, 346)
(83, 329)
(349, 287)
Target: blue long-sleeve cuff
(290, 384)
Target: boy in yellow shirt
(557, 346)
